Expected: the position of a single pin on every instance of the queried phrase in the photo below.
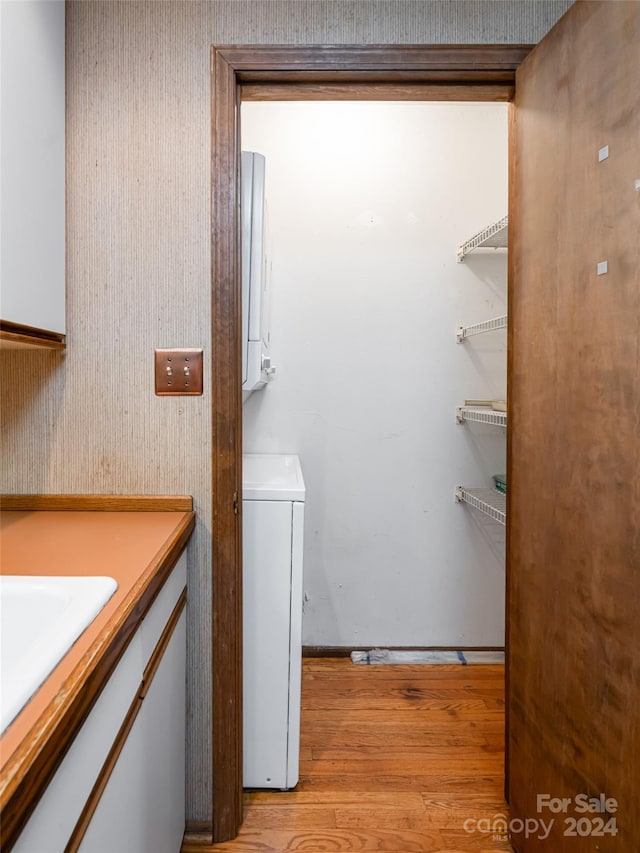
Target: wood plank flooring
(393, 758)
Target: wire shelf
(464, 332)
(492, 237)
(481, 415)
(488, 501)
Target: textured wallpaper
(138, 259)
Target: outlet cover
(178, 372)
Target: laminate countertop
(113, 537)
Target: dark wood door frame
(327, 72)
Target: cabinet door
(52, 822)
(32, 265)
(142, 806)
(574, 404)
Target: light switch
(178, 372)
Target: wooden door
(574, 436)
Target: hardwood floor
(393, 758)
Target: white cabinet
(142, 806)
(120, 786)
(32, 243)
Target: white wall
(367, 203)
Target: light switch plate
(178, 372)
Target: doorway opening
(367, 204)
(446, 73)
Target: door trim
(327, 72)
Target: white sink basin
(41, 618)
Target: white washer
(273, 494)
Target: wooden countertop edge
(30, 769)
(100, 503)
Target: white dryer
(273, 494)
(256, 265)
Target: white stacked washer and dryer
(273, 519)
(273, 496)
